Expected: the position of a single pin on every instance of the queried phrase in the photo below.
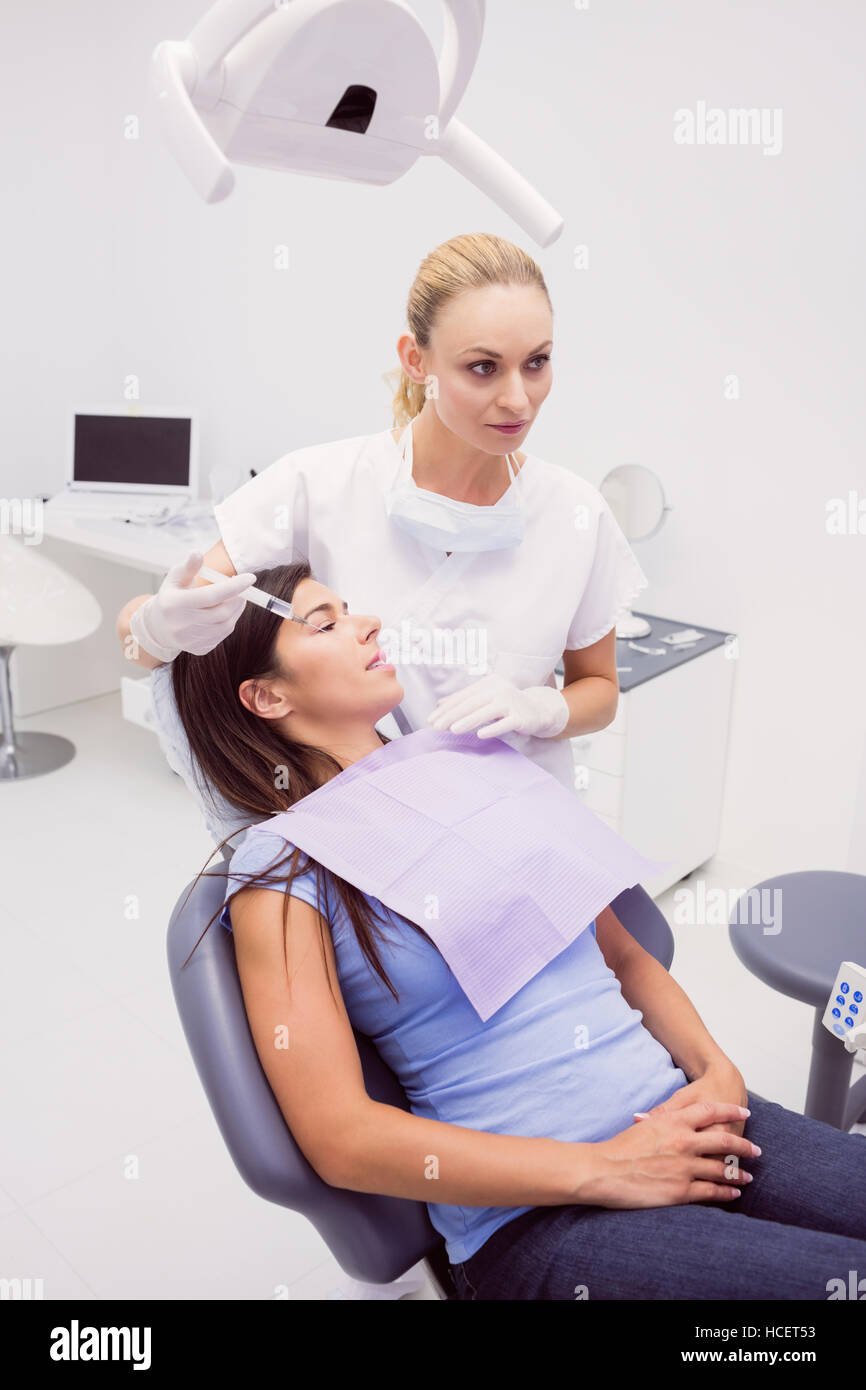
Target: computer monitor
(133, 449)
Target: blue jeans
(799, 1223)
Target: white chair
(40, 606)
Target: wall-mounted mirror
(636, 498)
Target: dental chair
(373, 1238)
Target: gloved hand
(538, 710)
(187, 617)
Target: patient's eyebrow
(326, 607)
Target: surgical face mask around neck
(446, 524)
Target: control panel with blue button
(845, 1014)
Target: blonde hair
(463, 263)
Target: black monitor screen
(146, 449)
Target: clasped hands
(720, 1082)
(502, 708)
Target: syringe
(278, 606)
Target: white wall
(704, 262)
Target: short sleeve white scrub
(447, 620)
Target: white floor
(114, 1179)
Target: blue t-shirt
(565, 1058)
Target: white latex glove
(538, 710)
(187, 617)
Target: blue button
(837, 1013)
(858, 996)
(849, 1022)
(840, 999)
(837, 1028)
(853, 1008)
(844, 987)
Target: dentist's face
(490, 353)
(333, 672)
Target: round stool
(793, 931)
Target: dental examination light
(341, 89)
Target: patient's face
(328, 670)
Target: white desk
(116, 561)
(152, 549)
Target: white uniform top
(443, 617)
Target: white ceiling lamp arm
(467, 152)
(463, 31)
(481, 165)
(223, 26)
(173, 75)
(181, 67)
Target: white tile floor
(114, 1179)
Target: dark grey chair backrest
(373, 1238)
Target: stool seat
(822, 921)
(793, 931)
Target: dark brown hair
(252, 763)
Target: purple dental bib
(501, 864)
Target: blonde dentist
(437, 528)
